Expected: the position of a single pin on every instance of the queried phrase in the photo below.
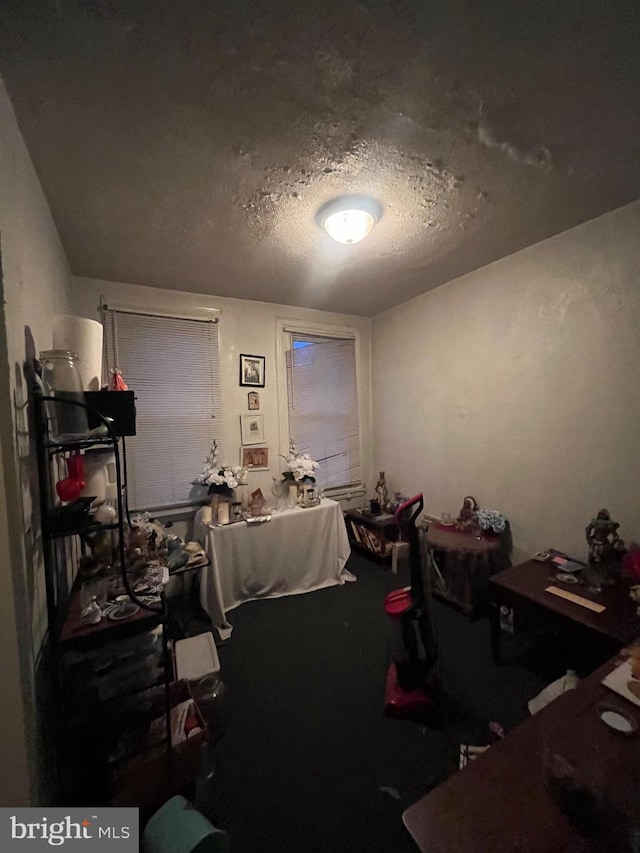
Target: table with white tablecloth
(298, 550)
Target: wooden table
(465, 563)
(499, 802)
(526, 584)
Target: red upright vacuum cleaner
(411, 677)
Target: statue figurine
(602, 537)
(468, 510)
(381, 491)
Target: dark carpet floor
(309, 762)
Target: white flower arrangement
(490, 519)
(301, 466)
(220, 478)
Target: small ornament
(381, 490)
(602, 537)
(467, 512)
(117, 382)
(92, 614)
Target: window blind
(323, 406)
(173, 367)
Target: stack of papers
(567, 565)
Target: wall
(245, 327)
(520, 384)
(35, 284)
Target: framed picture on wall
(252, 370)
(253, 401)
(255, 458)
(252, 429)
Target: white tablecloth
(299, 550)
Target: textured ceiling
(189, 144)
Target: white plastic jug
(100, 475)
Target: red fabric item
(631, 564)
(117, 382)
(451, 528)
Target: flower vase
(215, 503)
(476, 531)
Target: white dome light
(349, 226)
(348, 220)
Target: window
(322, 398)
(172, 364)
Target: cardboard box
(150, 777)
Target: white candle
(206, 514)
(223, 512)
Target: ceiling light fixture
(349, 219)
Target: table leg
(495, 629)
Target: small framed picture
(254, 401)
(255, 458)
(252, 429)
(252, 370)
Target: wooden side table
(372, 535)
(465, 564)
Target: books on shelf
(369, 539)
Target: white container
(223, 512)
(205, 514)
(293, 495)
(83, 337)
(100, 475)
(105, 514)
(196, 656)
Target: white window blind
(173, 367)
(323, 406)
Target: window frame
(285, 326)
(207, 314)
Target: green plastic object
(177, 827)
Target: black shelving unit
(372, 535)
(65, 527)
